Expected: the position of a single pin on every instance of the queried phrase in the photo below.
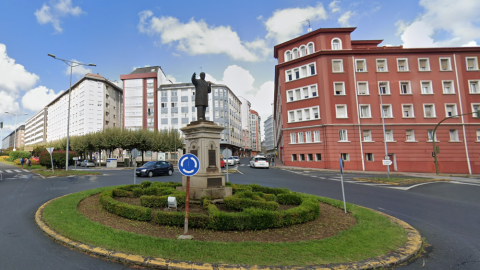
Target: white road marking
(26, 170)
(8, 171)
(18, 170)
(462, 183)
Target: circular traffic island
(257, 226)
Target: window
(367, 135)
(318, 157)
(408, 111)
(430, 135)
(336, 44)
(405, 88)
(402, 64)
(361, 65)
(293, 138)
(295, 53)
(475, 108)
(429, 110)
(164, 105)
(387, 111)
(304, 114)
(384, 88)
(337, 65)
(454, 135)
(341, 111)
(301, 157)
(369, 156)
(298, 95)
(308, 136)
(410, 135)
(389, 135)
(300, 137)
(290, 95)
(426, 87)
(309, 157)
(150, 111)
(316, 136)
(305, 92)
(315, 113)
(339, 88)
(300, 72)
(291, 116)
(304, 71)
(473, 86)
(313, 88)
(445, 64)
(288, 56)
(472, 63)
(294, 157)
(289, 76)
(343, 135)
(345, 156)
(363, 88)
(448, 87)
(382, 65)
(312, 69)
(310, 48)
(297, 73)
(303, 51)
(450, 110)
(423, 64)
(365, 111)
(478, 135)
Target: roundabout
(257, 227)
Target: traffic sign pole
(343, 189)
(188, 165)
(186, 206)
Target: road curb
(402, 254)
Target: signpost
(188, 165)
(50, 151)
(227, 153)
(387, 162)
(343, 190)
(134, 159)
(161, 156)
(75, 161)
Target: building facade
(332, 94)
(177, 109)
(255, 132)
(140, 97)
(268, 133)
(36, 128)
(15, 139)
(96, 104)
(246, 131)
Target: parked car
(87, 163)
(222, 163)
(78, 162)
(259, 162)
(237, 159)
(231, 161)
(153, 168)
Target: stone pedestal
(202, 138)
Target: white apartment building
(36, 127)
(177, 109)
(96, 103)
(268, 131)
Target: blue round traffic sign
(188, 164)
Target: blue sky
(231, 40)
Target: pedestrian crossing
(14, 171)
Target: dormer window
(303, 51)
(288, 56)
(336, 44)
(310, 48)
(295, 54)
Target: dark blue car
(153, 168)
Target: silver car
(88, 163)
(237, 159)
(259, 162)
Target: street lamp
(72, 64)
(15, 127)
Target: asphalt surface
(446, 214)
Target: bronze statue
(202, 89)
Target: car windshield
(230, 158)
(150, 163)
(261, 159)
(235, 157)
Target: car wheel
(150, 174)
(170, 173)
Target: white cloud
(343, 20)
(37, 98)
(172, 79)
(286, 24)
(46, 14)
(457, 21)
(197, 37)
(14, 77)
(8, 104)
(78, 71)
(333, 6)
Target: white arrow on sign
(387, 162)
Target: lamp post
(15, 127)
(384, 135)
(72, 64)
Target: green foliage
(124, 209)
(137, 192)
(162, 201)
(59, 158)
(18, 154)
(121, 193)
(268, 190)
(244, 200)
(146, 184)
(289, 198)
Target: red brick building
(331, 92)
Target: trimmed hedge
(248, 199)
(121, 193)
(124, 209)
(18, 154)
(289, 198)
(162, 201)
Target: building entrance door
(394, 162)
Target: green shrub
(137, 192)
(162, 201)
(121, 193)
(59, 158)
(124, 209)
(129, 187)
(145, 184)
(18, 154)
(268, 190)
(289, 198)
(269, 197)
(237, 203)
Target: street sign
(28, 148)
(341, 165)
(227, 153)
(134, 153)
(75, 158)
(50, 149)
(161, 156)
(387, 162)
(188, 164)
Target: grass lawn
(399, 180)
(373, 235)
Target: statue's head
(202, 75)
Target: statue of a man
(202, 89)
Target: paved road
(446, 214)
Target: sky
(231, 41)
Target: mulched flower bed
(330, 222)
